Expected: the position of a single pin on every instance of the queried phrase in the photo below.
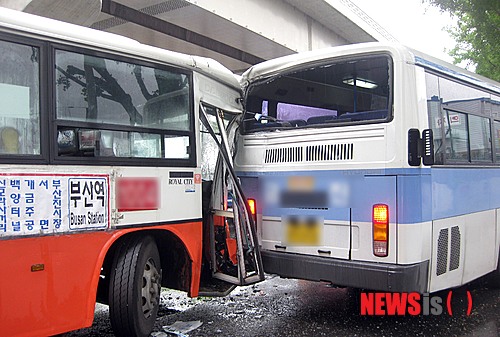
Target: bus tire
(134, 287)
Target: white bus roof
(301, 60)
(49, 29)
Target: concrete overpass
(238, 33)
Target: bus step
(215, 288)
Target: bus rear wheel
(134, 287)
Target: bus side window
(480, 139)
(19, 94)
(143, 113)
(456, 135)
(496, 137)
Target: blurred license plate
(303, 231)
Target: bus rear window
(348, 92)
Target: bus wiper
(258, 117)
(270, 118)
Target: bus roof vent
(284, 155)
(329, 152)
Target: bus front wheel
(134, 287)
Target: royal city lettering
(179, 181)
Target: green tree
(477, 33)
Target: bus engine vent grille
(455, 248)
(442, 252)
(329, 152)
(323, 152)
(284, 155)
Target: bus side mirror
(413, 147)
(420, 148)
(427, 147)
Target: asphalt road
(282, 307)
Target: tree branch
(71, 77)
(140, 81)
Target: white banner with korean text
(40, 204)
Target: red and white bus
(107, 149)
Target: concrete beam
(134, 16)
(80, 12)
(279, 21)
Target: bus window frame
(463, 163)
(108, 160)
(43, 91)
(322, 63)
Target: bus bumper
(357, 274)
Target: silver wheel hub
(151, 286)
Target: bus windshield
(342, 92)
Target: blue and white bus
(373, 166)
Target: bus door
(234, 252)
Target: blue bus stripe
(423, 194)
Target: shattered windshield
(345, 92)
